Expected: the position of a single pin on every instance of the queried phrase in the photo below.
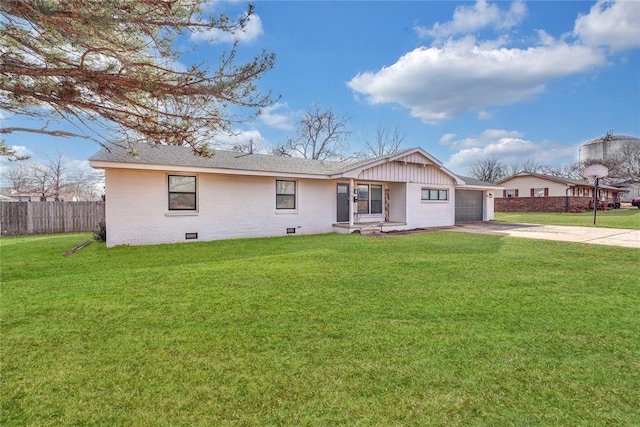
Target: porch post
(351, 202)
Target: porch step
(372, 228)
(368, 228)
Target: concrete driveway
(592, 235)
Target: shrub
(100, 233)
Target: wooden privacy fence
(19, 218)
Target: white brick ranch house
(166, 194)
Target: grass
(618, 218)
(436, 328)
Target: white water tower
(605, 147)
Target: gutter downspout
(566, 200)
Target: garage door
(468, 205)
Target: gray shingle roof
(171, 155)
(472, 181)
(560, 179)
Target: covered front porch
(370, 205)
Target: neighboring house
(35, 197)
(532, 192)
(4, 198)
(5, 191)
(29, 197)
(5, 195)
(166, 194)
(629, 190)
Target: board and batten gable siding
(228, 207)
(524, 185)
(415, 158)
(398, 171)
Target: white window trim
(179, 212)
(369, 214)
(448, 190)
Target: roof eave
(101, 164)
(479, 187)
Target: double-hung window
(376, 199)
(285, 194)
(431, 194)
(369, 199)
(539, 192)
(363, 199)
(182, 193)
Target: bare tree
(320, 135)
(488, 169)
(57, 171)
(55, 179)
(18, 177)
(109, 68)
(386, 141)
(85, 184)
(629, 162)
(40, 181)
(567, 170)
(529, 166)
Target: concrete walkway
(592, 235)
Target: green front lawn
(618, 218)
(437, 328)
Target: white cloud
(484, 115)
(487, 137)
(447, 138)
(251, 31)
(269, 117)
(468, 19)
(21, 151)
(75, 164)
(440, 83)
(615, 24)
(509, 147)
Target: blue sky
(464, 80)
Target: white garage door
(468, 205)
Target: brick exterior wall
(234, 206)
(544, 204)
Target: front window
(435, 194)
(538, 192)
(182, 193)
(369, 199)
(511, 193)
(363, 199)
(285, 194)
(376, 199)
